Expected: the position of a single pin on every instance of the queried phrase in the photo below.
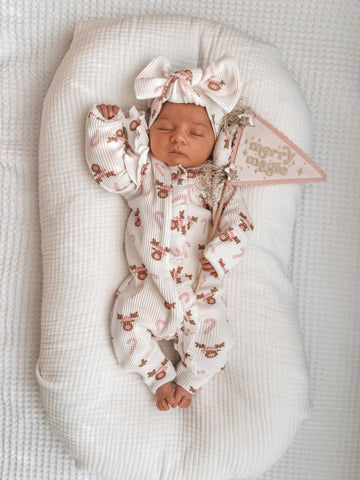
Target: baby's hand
(108, 111)
(207, 266)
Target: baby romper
(167, 232)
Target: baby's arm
(226, 249)
(116, 147)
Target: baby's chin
(183, 162)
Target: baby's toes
(162, 405)
(172, 402)
(185, 402)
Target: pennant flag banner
(263, 155)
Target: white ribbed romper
(167, 232)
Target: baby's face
(182, 135)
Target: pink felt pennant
(263, 155)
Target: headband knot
(217, 88)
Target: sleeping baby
(158, 165)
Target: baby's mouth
(176, 152)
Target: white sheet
(319, 42)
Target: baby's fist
(108, 111)
(207, 267)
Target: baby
(157, 167)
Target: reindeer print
(215, 85)
(229, 235)
(169, 306)
(188, 318)
(120, 136)
(245, 224)
(177, 223)
(184, 359)
(176, 274)
(222, 265)
(192, 173)
(180, 225)
(158, 250)
(163, 190)
(137, 218)
(208, 297)
(134, 125)
(127, 320)
(210, 352)
(100, 174)
(177, 177)
(140, 271)
(159, 373)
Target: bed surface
(320, 45)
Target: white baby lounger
(243, 420)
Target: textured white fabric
(266, 379)
(319, 42)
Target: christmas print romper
(167, 232)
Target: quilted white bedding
(320, 45)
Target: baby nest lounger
(243, 420)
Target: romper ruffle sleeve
(117, 149)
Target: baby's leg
(204, 346)
(134, 344)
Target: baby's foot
(165, 397)
(182, 397)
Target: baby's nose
(178, 135)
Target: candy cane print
(211, 248)
(212, 322)
(94, 140)
(187, 244)
(181, 198)
(138, 290)
(186, 296)
(239, 254)
(159, 219)
(132, 342)
(117, 187)
(160, 167)
(191, 189)
(205, 223)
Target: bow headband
(217, 88)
